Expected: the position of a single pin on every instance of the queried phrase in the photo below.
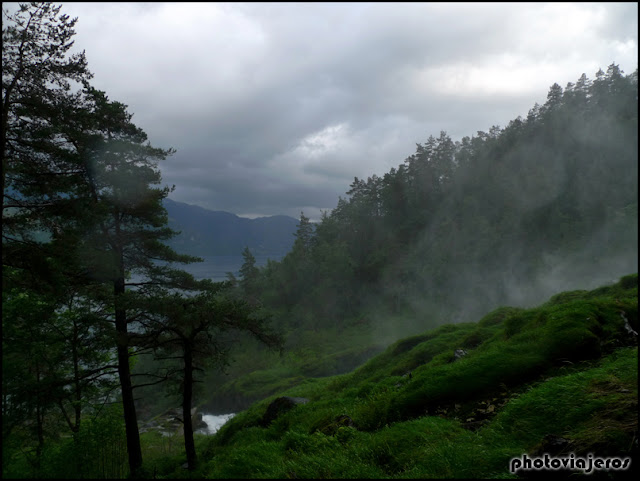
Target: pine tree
(249, 273)
(192, 330)
(38, 167)
(304, 236)
(77, 172)
(124, 228)
(36, 79)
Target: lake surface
(216, 267)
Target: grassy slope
(257, 373)
(567, 368)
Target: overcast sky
(275, 107)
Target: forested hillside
(507, 216)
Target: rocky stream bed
(170, 423)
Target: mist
(547, 205)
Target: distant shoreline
(217, 267)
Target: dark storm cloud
(274, 107)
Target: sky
(274, 108)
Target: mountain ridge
(205, 232)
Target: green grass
(568, 405)
(567, 368)
(575, 405)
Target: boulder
(197, 422)
(171, 421)
(280, 406)
(458, 354)
(632, 333)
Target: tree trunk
(39, 422)
(187, 395)
(77, 405)
(75, 427)
(130, 420)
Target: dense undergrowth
(564, 370)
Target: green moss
(409, 343)
(558, 369)
(628, 282)
(565, 297)
(582, 406)
(257, 459)
(498, 316)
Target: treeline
(83, 293)
(507, 216)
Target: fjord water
(216, 267)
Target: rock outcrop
(170, 422)
(280, 406)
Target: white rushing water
(214, 422)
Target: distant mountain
(208, 232)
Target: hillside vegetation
(559, 378)
(548, 203)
